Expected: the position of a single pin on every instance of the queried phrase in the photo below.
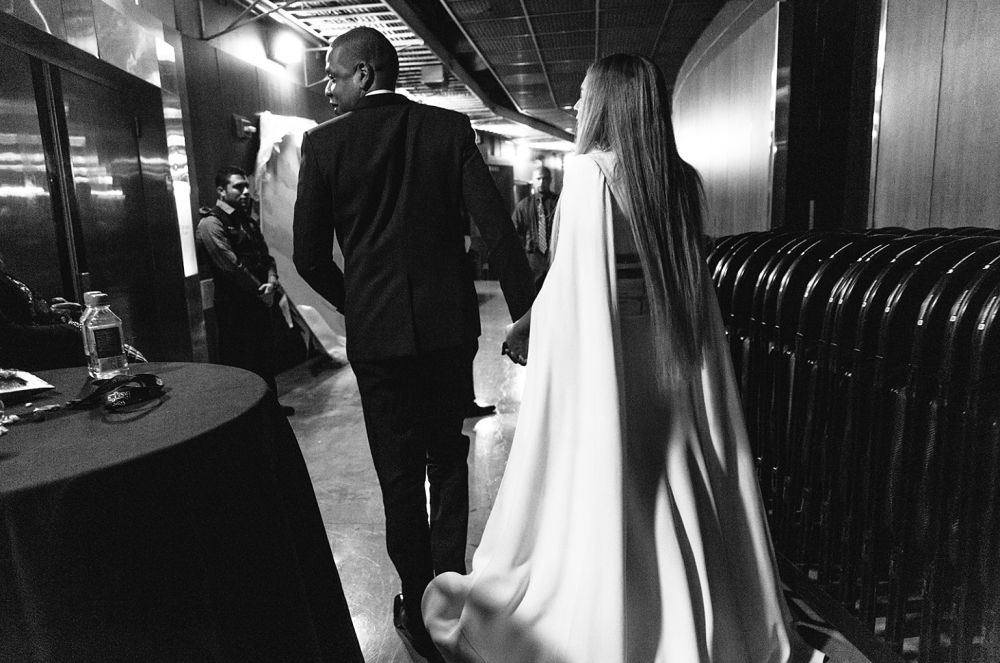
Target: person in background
(35, 334)
(533, 217)
(245, 276)
(389, 179)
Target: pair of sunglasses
(121, 391)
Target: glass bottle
(105, 343)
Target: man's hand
(67, 310)
(266, 293)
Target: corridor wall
(890, 116)
(202, 85)
(121, 46)
(937, 156)
(724, 119)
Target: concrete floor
(330, 429)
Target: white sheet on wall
(277, 175)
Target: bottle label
(107, 342)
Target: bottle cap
(101, 299)
(90, 296)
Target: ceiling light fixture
(285, 47)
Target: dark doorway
(832, 81)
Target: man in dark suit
(389, 177)
(533, 217)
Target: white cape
(548, 581)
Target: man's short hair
(223, 174)
(543, 170)
(366, 44)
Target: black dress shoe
(287, 410)
(397, 611)
(474, 409)
(419, 642)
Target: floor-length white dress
(628, 526)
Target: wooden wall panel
(239, 94)
(219, 85)
(755, 54)
(938, 153)
(278, 94)
(723, 116)
(318, 107)
(967, 163)
(910, 86)
(207, 126)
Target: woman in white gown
(628, 526)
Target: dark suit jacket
(390, 179)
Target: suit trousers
(470, 387)
(413, 408)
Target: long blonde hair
(626, 111)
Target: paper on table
(13, 390)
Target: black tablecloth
(184, 530)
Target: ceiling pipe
(273, 8)
(538, 52)
(597, 30)
(663, 28)
(496, 98)
(532, 122)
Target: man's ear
(367, 76)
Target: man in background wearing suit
(533, 217)
(389, 178)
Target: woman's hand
(516, 345)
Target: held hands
(516, 345)
(266, 293)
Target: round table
(185, 529)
